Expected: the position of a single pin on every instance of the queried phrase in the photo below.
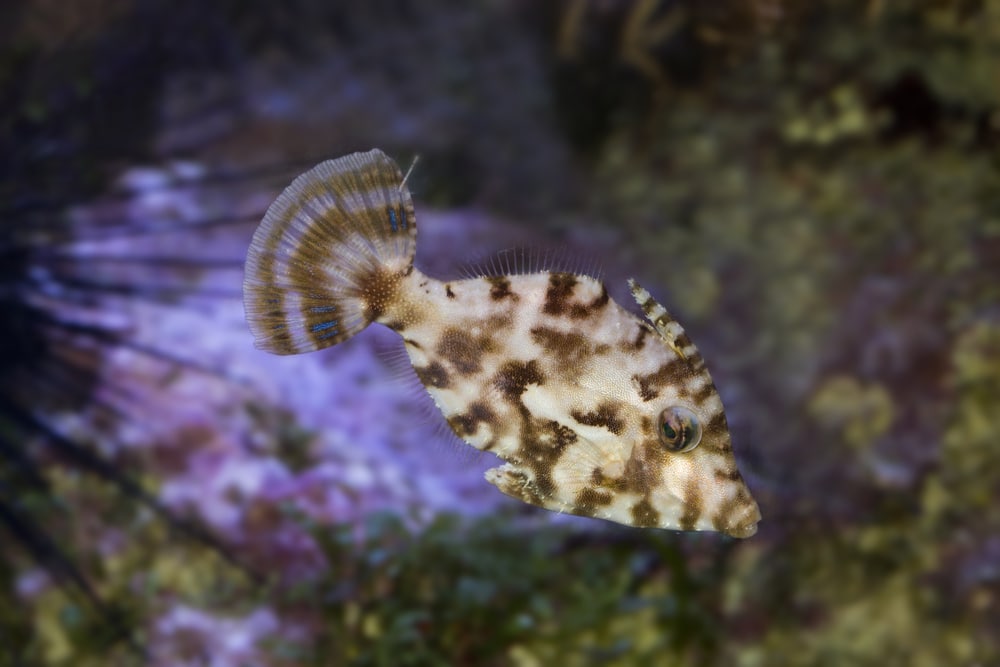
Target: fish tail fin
(322, 251)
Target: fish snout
(743, 522)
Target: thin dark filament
(114, 339)
(82, 369)
(83, 458)
(24, 469)
(64, 233)
(65, 386)
(60, 329)
(145, 260)
(112, 398)
(279, 171)
(43, 549)
(149, 292)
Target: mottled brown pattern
(729, 475)
(500, 288)
(646, 390)
(559, 293)
(448, 292)
(497, 322)
(513, 378)
(703, 394)
(589, 499)
(612, 484)
(568, 347)
(719, 445)
(434, 374)
(463, 350)
(379, 291)
(606, 415)
(579, 311)
(638, 342)
(601, 300)
(467, 424)
(644, 469)
(721, 520)
(693, 505)
(716, 426)
(543, 442)
(669, 374)
(645, 515)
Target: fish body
(595, 411)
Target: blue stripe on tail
(323, 326)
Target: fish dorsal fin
(527, 260)
(669, 329)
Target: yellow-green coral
(970, 446)
(861, 413)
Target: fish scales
(593, 410)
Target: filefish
(593, 410)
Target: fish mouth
(744, 524)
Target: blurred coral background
(813, 188)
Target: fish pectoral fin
(516, 482)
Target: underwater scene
(811, 189)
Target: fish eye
(679, 429)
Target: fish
(593, 410)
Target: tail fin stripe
(323, 326)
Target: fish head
(681, 456)
(640, 438)
(673, 468)
(663, 475)
(665, 463)
(683, 468)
